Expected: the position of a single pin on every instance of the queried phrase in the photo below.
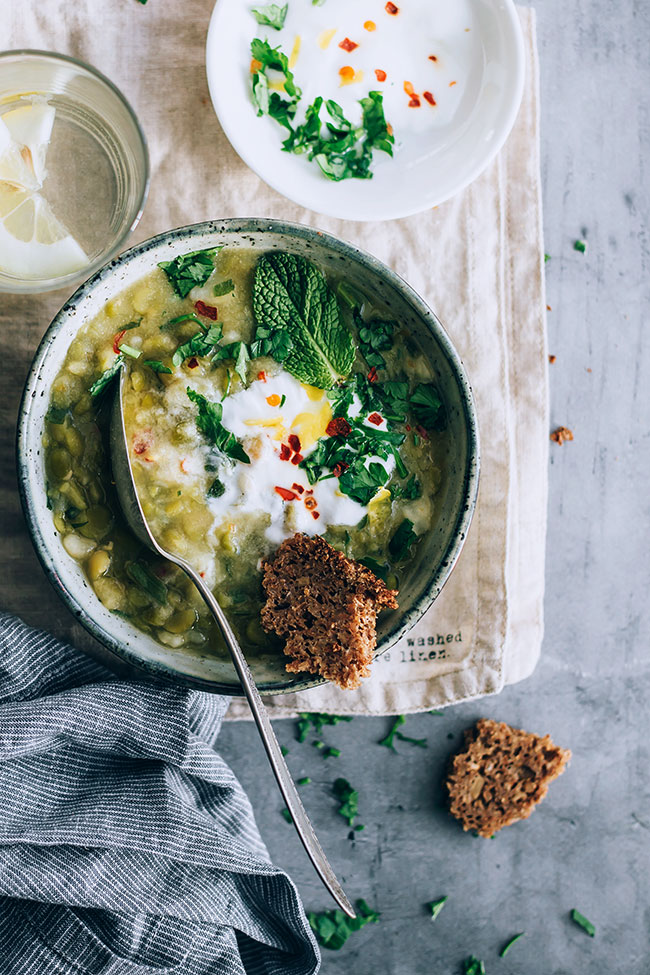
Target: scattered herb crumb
(506, 948)
(438, 714)
(333, 928)
(223, 288)
(304, 781)
(552, 359)
(547, 258)
(308, 720)
(473, 966)
(271, 15)
(287, 815)
(285, 751)
(348, 799)
(388, 741)
(583, 922)
(331, 752)
(436, 906)
(580, 246)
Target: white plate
(477, 82)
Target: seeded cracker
(501, 776)
(325, 606)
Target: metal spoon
(130, 503)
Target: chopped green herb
(438, 714)
(304, 781)
(583, 922)
(291, 296)
(183, 318)
(402, 540)
(580, 246)
(333, 928)
(547, 258)
(361, 483)
(411, 490)
(506, 948)
(375, 337)
(394, 733)
(473, 966)
(318, 744)
(130, 351)
(381, 571)
(283, 401)
(156, 365)
(348, 799)
(201, 344)
(287, 815)
(331, 752)
(316, 720)
(147, 581)
(436, 906)
(271, 15)
(426, 406)
(217, 489)
(238, 352)
(209, 423)
(223, 288)
(349, 295)
(106, 378)
(359, 827)
(284, 750)
(56, 415)
(188, 271)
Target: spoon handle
(285, 781)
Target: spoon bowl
(134, 515)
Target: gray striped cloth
(127, 846)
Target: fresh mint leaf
(426, 406)
(271, 15)
(107, 377)
(401, 541)
(333, 928)
(201, 344)
(156, 365)
(291, 296)
(223, 288)
(191, 270)
(348, 799)
(209, 423)
(147, 581)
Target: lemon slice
(30, 127)
(13, 165)
(11, 196)
(34, 244)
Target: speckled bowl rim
(339, 247)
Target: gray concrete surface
(588, 845)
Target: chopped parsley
(100, 385)
(217, 489)
(436, 906)
(426, 406)
(375, 337)
(388, 741)
(287, 815)
(583, 922)
(201, 344)
(156, 365)
(271, 15)
(209, 423)
(473, 966)
(508, 945)
(400, 543)
(189, 271)
(333, 928)
(547, 258)
(340, 149)
(223, 288)
(580, 246)
(308, 720)
(238, 352)
(304, 781)
(348, 799)
(331, 752)
(411, 490)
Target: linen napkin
(126, 843)
(477, 260)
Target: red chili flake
(338, 427)
(372, 375)
(339, 468)
(202, 574)
(414, 101)
(315, 514)
(408, 426)
(285, 452)
(375, 418)
(310, 491)
(285, 494)
(182, 465)
(423, 433)
(298, 487)
(208, 311)
(296, 459)
(429, 97)
(391, 9)
(310, 503)
(117, 339)
(380, 74)
(348, 45)
(192, 363)
(294, 442)
(432, 57)
(141, 444)
(262, 375)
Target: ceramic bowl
(435, 556)
(477, 79)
